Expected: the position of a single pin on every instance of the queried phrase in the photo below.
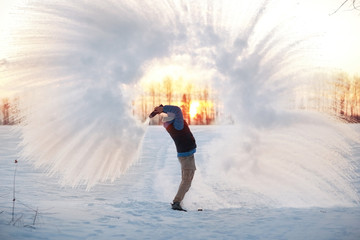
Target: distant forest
(336, 94)
(9, 111)
(197, 102)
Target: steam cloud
(78, 63)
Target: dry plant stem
(13, 208)
(36, 213)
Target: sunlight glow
(194, 108)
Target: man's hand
(159, 109)
(156, 111)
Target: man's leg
(187, 174)
(186, 179)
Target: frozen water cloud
(294, 165)
(78, 62)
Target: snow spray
(75, 65)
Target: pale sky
(341, 44)
(5, 6)
(342, 40)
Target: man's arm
(179, 119)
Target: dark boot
(176, 206)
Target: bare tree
(5, 111)
(355, 5)
(167, 82)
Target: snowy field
(78, 67)
(136, 206)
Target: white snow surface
(87, 169)
(278, 200)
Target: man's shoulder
(171, 108)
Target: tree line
(337, 94)
(9, 111)
(346, 97)
(197, 102)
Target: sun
(194, 108)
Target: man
(177, 127)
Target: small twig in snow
(13, 208)
(36, 213)
(17, 219)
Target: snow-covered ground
(136, 206)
